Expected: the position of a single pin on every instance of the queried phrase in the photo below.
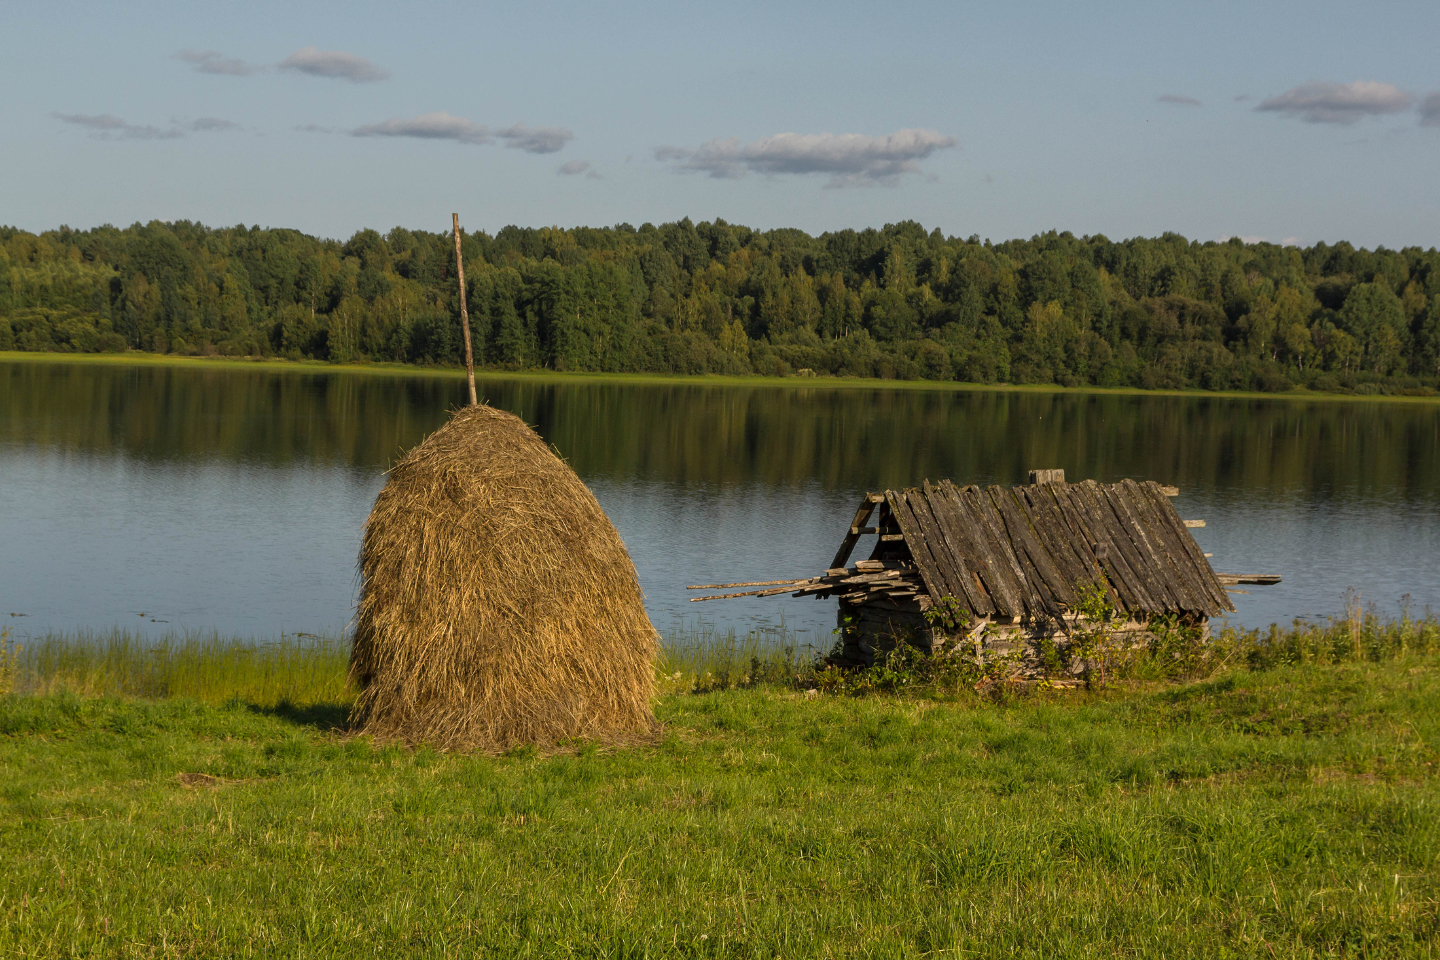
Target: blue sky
(1002, 120)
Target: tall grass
(305, 669)
(1360, 634)
(208, 667)
(695, 658)
(699, 657)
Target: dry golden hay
(498, 605)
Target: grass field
(136, 357)
(200, 798)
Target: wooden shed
(1012, 562)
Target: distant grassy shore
(199, 797)
(137, 358)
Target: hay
(497, 603)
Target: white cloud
(336, 64)
(539, 140)
(105, 126)
(212, 125)
(851, 159)
(212, 61)
(442, 126)
(1338, 102)
(1430, 111)
(1178, 100)
(428, 126)
(574, 168)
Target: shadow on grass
(327, 717)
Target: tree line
(713, 297)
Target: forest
(713, 297)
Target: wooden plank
(867, 507)
(1059, 537)
(749, 583)
(1183, 546)
(969, 537)
(1041, 601)
(1184, 540)
(1096, 540)
(1047, 476)
(1154, 567)
(1194, 523)
(1172, 563)
(889, 532)
(1034, 603)
(993, 569)
(1133, 566)
(956, 568)
(919, 504)
(915, 539)
(965, 553)
(1259, 579)
(1170, 491)
(1178, 543)
(1129, 562)
(992, 528)
(1205, 573)
(1148, 565)
(1050, 567)
(1074, 543)
(773, 591)
(1042, 569)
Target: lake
(162, 498)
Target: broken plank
(1258, 579)
(916, 539)
(958, 543)
(867, 507)
(751, 583)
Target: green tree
(1375, 318)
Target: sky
(1291, 122)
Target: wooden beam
(770, 592)
(464, 310)
(752, 583)
(867, 507)
(1258, 579)
(1192, 524)
(1047, 476)
(1170, 491)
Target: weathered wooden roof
(1024, 551)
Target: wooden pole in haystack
(464, 311)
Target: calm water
(171, 498)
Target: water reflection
(232, 498)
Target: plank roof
(1026, 551)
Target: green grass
(136, 357)
(1287, 805)
(296, 669)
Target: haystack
(498, 605)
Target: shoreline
(136, 358)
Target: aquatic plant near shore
(208, 667)
(694, 658)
